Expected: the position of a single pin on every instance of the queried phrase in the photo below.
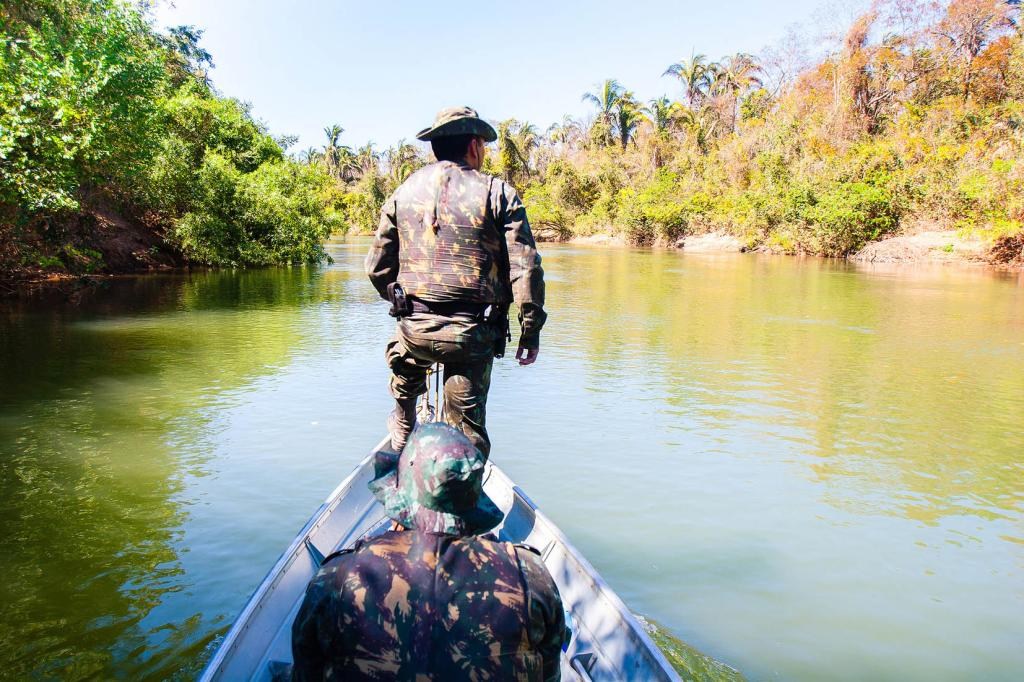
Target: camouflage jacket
(410, 605)
(450, 233)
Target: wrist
(529, 340)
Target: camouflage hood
(436, 484)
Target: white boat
(608, 642)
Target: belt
(448, 308)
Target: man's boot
(401, 422)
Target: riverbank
(96, 242)
(915, 246)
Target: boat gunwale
(277, 571)
(213, 669)
(599, 582)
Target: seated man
(431, 598)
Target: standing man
(452, 251)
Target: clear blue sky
(382, 68)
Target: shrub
(272, 215)
(846, 216)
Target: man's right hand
(527, 356)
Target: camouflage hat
(436, 484)
(458, 121)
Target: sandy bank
(711, 242)
(924, 246)
(945, 246)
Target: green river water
(804, 469)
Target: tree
(663, 115)
(186, 57)
(700, 125)
(366, 160)
(401, 161)
(516, 144)
(735, 75)
(340, 161)
(605, 100)
(309, 156)
(627, 116)
(566, 133)
(694, 74)
(968, 27)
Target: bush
(656, 211)
(848, 215)
(275, 214)
(97, 110)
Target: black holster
(498, 317)
(401, 305)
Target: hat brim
(384, 486)
(462, 126)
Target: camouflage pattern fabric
(452, 234)
(410, 605)
(458, 121)
(436, 484)
(467, 360)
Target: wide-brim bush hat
(436, 483)
(458, 121)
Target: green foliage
(77, 100)
(755, 105)
(274, 214)
(656, 211)
(96, 108)
(848, 215)
(892, 127)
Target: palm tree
(401, 161)
(527, 140)
(566, 132)
(661, 112)
(627, 116)
(700, 125)
(309, 156)
(337, 158)
(605, 99)
(694, 75)
(366, 159)
(663, 115)
(516, 143)
(736, 74)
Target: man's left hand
(527, 356)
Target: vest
(421, 606)
(449, 246)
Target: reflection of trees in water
(905, 384)
(96, 393)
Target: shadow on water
(97, 395)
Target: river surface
(805, 469)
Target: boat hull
(608, 642)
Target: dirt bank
(944, 246)
(917, 245)
(98, 241)
(711, 242)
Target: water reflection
(862, 373)
(100, 396)
(797, 456)
(806, 469)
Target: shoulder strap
(529, 548)
(340, 552)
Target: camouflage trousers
(467, 352)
